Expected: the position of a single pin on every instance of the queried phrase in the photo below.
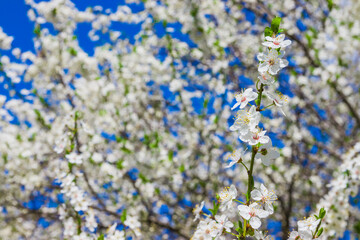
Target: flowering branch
(247, 125)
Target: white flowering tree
(124, 141)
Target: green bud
(320, 232)
(275, 24)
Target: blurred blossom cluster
(131, 140)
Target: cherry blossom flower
(91, 223)
(132, 222)
(278, 99)
(246, 120)
(301, 235)
(265, 196)
(253, 212)
(227, 196)
(74, 158)
(207, 229)
(224, 222)
(261, 236)
(266, 78)
(113, 234)
(271, 61)
(69, 227)
(244, 97)
(265, 153)
(197, 210)
(235, 157)
(276, 42)
(309, 223)
(254, 137)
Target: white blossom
(253, 213)
(244, 97)
(276, 42)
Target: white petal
(263, 189)
(264, 139)
(248, 90)
(293, 235)
(282, 53)
(268, 44)
(256, 195)
(281, 37)
(255, 222)
(261, 57)
(263, 67)
(235, 106)
(233, 190)
(306, 235)
(261, 213)
(272, 154)
(234, 127)
(252, 96)
(266, 161)
(244, 211)
(274, 69)
(243, 104)
(269, 208)
(269, 38)
(285, 43)
(283, 63)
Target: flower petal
(244, 211)
(283, 63)
(255, 222)
(263, 67)
(256, 195)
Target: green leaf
(37, 30)
(171, 155)
(102, 112)
(322, 213)
(330, 4)
(216, 207)
(216, 119)
(126, 150)
(143, 178)
(123, 216)
(72, 52)
(212, 211)
(309, 39)
(182, 168)
(119, 164)
(239, 227)
(206, 101)
(275, 24)
(320, 232)
(268, 32)
(357, 227)
(101, 237)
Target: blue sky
(14, 20)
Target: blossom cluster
(246, 124)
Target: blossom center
(252, 214)
(263, 151)
(271, 62)
(243, 99)
(276, 43)
(256, 136)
